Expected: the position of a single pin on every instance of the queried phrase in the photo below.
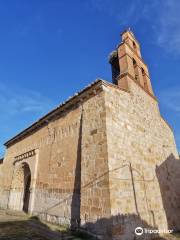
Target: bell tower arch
(127, 64)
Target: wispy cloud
(120, 10)
(168, 26)
(178, 142)
(19, 107)
(162, 16)
(170, 98)
(18, 101)
(170, 101)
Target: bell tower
(128, 65)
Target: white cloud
(121, 10)
(19, 101)
(19, 107)
(168, 26)
(171, 98)
(162, 16)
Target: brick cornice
(134, 80)
(133, 52)
(126, 54)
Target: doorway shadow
(27, 184)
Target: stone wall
(139, 141)
(4, 192)
(95, 196)
(57, 144)
(101, 162)
(71, 181)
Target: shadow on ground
(33, 229)
(122, 227)
(168, 175)
(14, 226)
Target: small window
(145, 80)
(114, 61)
(134, 62)
(135, 70)
(134, 45)
(143, 72)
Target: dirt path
(18, 226)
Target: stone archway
(20, 188)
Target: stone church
(104, 161)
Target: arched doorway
(20, 188)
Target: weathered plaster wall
(139, 140)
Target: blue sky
(49, 49)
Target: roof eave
(46, 118)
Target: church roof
(58, 110)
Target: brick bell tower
(127, 64)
